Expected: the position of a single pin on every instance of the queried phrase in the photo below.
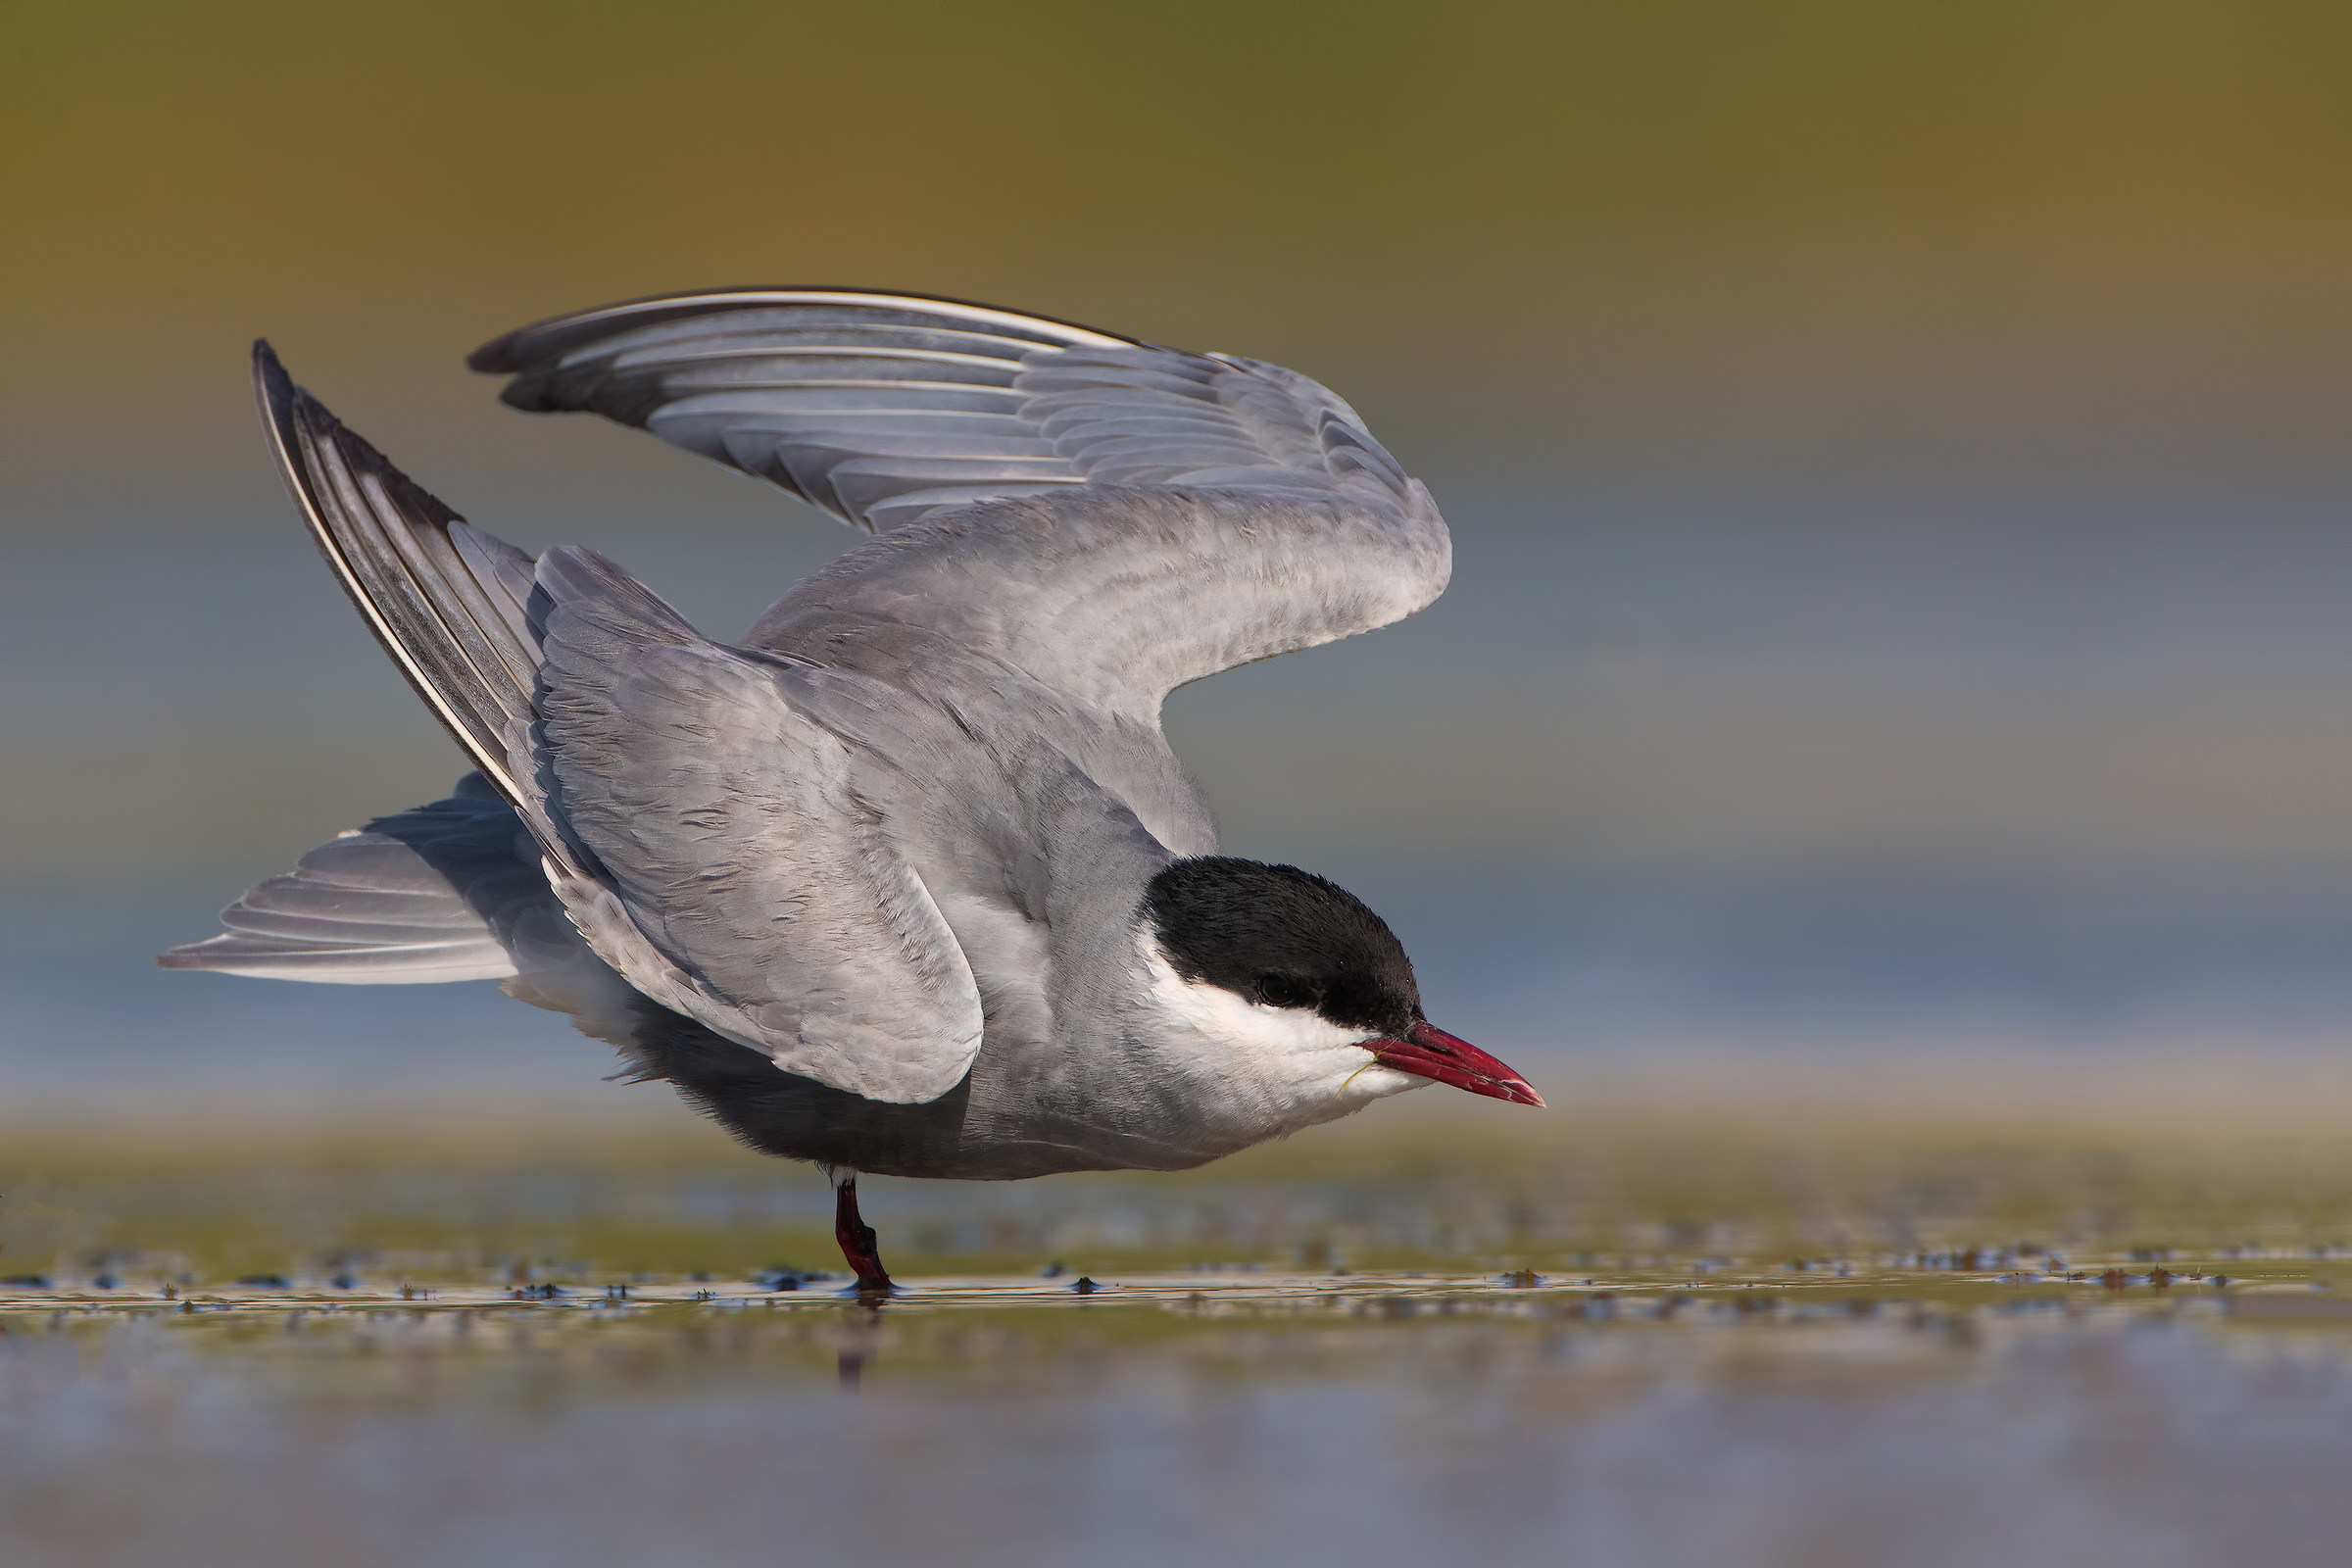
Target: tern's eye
(1281, 991)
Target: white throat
(1263, 1070)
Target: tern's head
(1279, 958)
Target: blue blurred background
(1896, 458)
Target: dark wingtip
(276, 394)
(286, 408)
(496, 357)
(518, 355)
(270, 382)
(528, 347)
(295, 419)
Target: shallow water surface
(1817, 1346)
(1914, 1417)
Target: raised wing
(882, 408)
(694, 828)
(1166, 513)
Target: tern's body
(908, 880)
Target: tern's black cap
(1279, 935)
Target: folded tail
(413, 898)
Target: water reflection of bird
(906, 880)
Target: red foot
(857, 1238)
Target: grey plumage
(416, 897)
(868, 883)
(883, 408)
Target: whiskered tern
(906, 880)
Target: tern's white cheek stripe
(1290, 1066)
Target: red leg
(857, 1238)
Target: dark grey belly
(785, 1114)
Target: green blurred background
(1896, 453)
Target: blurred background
(1899, 640)
(1883, 769)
